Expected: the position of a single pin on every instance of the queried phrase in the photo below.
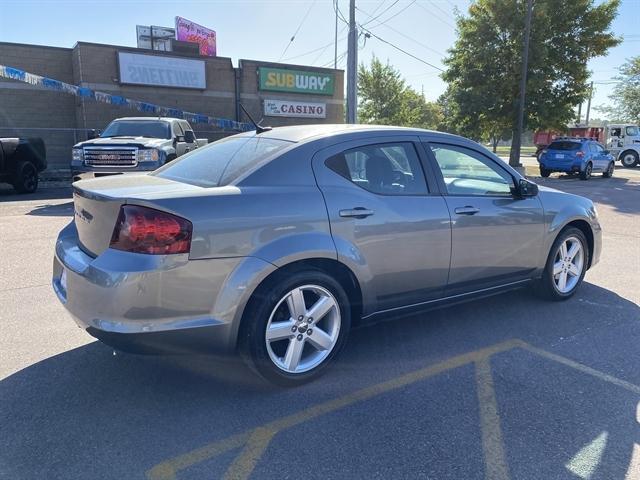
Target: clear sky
(262, 30)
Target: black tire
(586, 173)
(629, 159)
(252, 336)
(25, 177)
(608, 173)
(546, 287)
(544, 172)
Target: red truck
(543, 138)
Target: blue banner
(87, 93)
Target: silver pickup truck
(133, 144)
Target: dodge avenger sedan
(272, 243)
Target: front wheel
(294, 327)
(544, 172)
(566, 265)
(608, 173)
(586, 173)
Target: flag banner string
(89, 94)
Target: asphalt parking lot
(506, 387)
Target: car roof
(302, 133)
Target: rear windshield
(221, 162)
(137, 128)
(565, 146)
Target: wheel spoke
(295, 302)
(562, 281)
(294, 354)
(320, 339)
(320, 308)
(280, 331)
(573, 251)
(563, 250)
(574, 271)
(557, 268)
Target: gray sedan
(273, 244)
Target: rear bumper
(153, 303)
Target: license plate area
(559, 155)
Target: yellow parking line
(244, 464)
(495, 463)
(247, 460)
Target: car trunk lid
(97, 204)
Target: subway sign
(296, 81)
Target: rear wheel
(25, 177)
(544, 172)
(629, 159)
(294, 327)
(608, 173)
(566, 265)
(586, 173)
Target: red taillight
(580, 154)
(145, 230)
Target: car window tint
(632, 131)
(177, 129)
(565, 145)
(386, 169)
(221, 162)
(467, 172)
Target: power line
(297, 30)
(404, 35)
(383, 12)
(398, 12)
(431, 12)
(400, 49)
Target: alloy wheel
(303, 329)
(568, 264)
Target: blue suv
(576, 155)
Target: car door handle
(468, 210)
(358, 212)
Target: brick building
(281, 94)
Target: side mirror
(91, 134)
(525, 188)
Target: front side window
(467, 172)
(632, 131)
(385, 169)
(221, 162)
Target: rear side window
(222, 162)
(565, 145)
(386, 169)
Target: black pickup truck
(21, 159)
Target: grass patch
(523, 151)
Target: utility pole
(352, 66)
(516, 141)
(579, 113)
(586, 120)
(335, 42)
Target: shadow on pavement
(10, 195)
(86, 413)
(54, 210)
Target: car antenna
(259, 128)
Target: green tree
(385, 99)
(626, 93)
(483, 67)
